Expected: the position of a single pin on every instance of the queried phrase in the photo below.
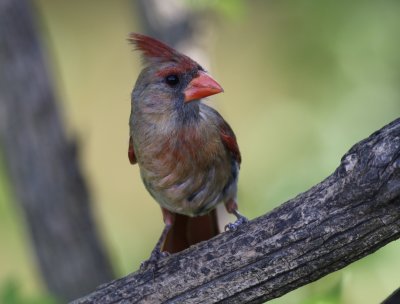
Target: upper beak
(201, 86)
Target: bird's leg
(156, 253)
(232, 207)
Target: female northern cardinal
(187, 153)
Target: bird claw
(152, 262)
(233, 226)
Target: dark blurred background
(304, 81)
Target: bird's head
(169, 79)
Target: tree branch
(349, 215)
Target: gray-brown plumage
(187, 153)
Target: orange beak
(202, 86)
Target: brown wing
(229, 140)
(131, 152)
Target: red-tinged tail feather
(187, 231)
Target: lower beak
(201, 86)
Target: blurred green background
(304, 81)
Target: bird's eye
(172, 80)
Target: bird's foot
(240, 221)
(152, 262)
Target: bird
(187, 154)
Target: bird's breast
(186, 170)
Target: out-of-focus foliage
(331, 295)
(11, 293)
(303, 80)
(232, 9)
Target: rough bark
(349, 215)
(43, 165)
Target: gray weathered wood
(42, 163)
(349, 215)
